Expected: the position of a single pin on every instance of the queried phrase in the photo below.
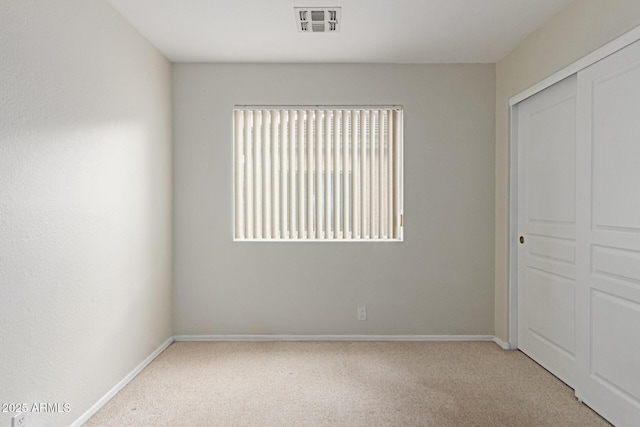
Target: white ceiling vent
(318, 19)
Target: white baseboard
(104, 399)
(503, 344)
(333, 338)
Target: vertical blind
(317, 173)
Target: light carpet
(344, 384)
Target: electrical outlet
(19, 420)
(362, 313)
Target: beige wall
(580, 28)
(438, 281)
(85, 203)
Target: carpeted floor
(344, 384)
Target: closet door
(547, 228)
(608, 233)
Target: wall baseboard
(334, 338)
(104, 399)
(505, 345)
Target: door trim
(613, 46)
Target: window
(318, 173)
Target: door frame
(613, 46)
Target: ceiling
(372, 31)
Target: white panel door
(608, 232)
(547, 226)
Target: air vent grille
(318, 19)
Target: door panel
(554, 248)
(608, 232)
(550, 162)
(547, 215)
(550, 316)
(616, 148)
(614, 358)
